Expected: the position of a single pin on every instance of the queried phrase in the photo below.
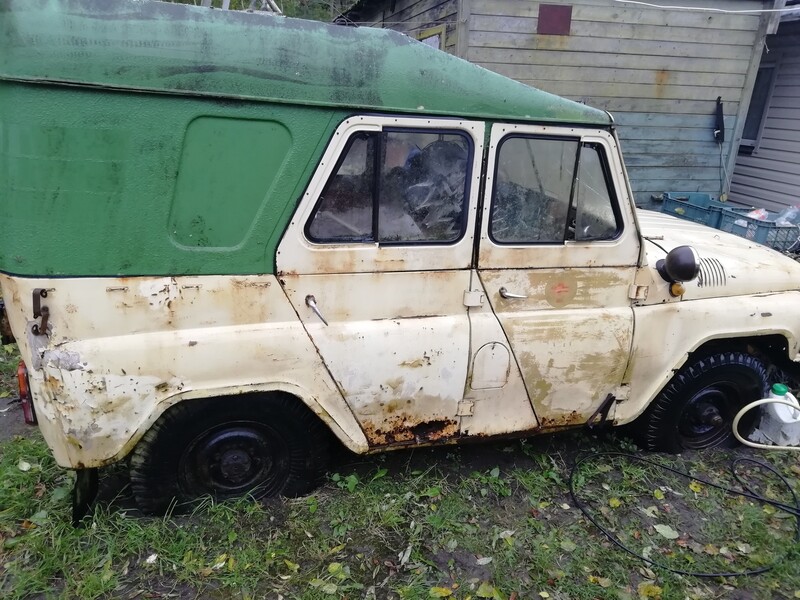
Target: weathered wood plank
(629, 31)
(632, 145)
(621, 61)
(708, 184)
(483, 39)
(411, 10)
(674, 135)
(578, 89)
(657, 106)
(658, 162)
(602, 12)
(668, 121)
(610, 75)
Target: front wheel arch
(695, 409)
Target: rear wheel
(697, 407)
(227, 448)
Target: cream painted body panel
(396, 344)
(121, 351)
(666, 334)
(571, 334)
(498, 402)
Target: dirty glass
(416, 182)
(344, 209)
(532, 190)
(594, 217)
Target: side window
(550, 190)
(595, 218)
(396, 187)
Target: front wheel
(226, 448)
(697, 407)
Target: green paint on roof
(174, 48)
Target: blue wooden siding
(658, 71)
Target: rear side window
(396, 187)
(550, 190)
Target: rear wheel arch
(258, 443)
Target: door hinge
(638, 292)
(465, 408)
(473, 298)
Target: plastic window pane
(423, 187)
(532, 190)
(594, 218)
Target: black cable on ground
(746, 492)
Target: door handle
(311, 303)
(508, 295)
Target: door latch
(40, 311)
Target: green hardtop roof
(180, 49)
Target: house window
(759, 103)
(433, 37)
(548, 191)
(396, 187)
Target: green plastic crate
(779, 237)
(693, 206)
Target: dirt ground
(12, 423)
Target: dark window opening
(396, 187)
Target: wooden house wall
(658, 71)
(412, 17)
(770, 177)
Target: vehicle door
(376, 262)
(557, 259)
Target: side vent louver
(712, 273)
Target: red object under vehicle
(25, 395)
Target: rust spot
(662, 79)
(401, 429)
(564, 420)
(162, 387)
(192, 343)
(71, 308)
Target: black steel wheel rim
(235, 459)
(707, 417)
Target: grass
(489, 521)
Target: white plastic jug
(780, 424)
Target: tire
(227, 448)
(696, 409)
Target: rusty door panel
(571, 336)
(395, 343)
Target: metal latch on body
(473, 298)
(40, 311)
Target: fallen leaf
(329, 588)
(24, 465)
(647, 589)
(744, 548)
(568, 546)
(614, 502)
(39, 489)
(565, 506)
(292, 566)
(151, 559)
(666, 531)
(658, 494)
(710, 549)
(604, 582)
(650, 511)
(484, 561)
(544, 594)
(696, 487)
(486, 590)
(440, 592)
